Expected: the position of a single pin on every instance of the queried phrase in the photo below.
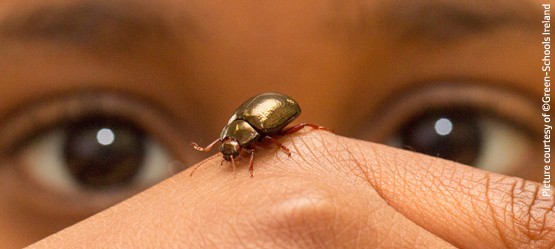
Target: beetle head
(230, 148)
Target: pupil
(103, 152)
(452, 134)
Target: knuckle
(314, 217)
(534, 215)
(523, 216)
(307, 219)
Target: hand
(333, 192)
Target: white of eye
(43, 162)
(503, 146)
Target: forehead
(122, 20)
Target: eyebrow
(89, 24)
(122, 25)
(444, 21)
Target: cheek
(20, 228)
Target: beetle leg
(302, 125)
(251, 168)
(205, 149)
(276, 142)
(233, 165)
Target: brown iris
(453, 134)
(103, 152)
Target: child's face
(383, 71)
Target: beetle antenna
(195, 169)
(205, 149)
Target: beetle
(257, 120)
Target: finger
(467, 207)
(290, 203)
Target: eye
(465, 136)
(484, 127)
(95, 154)
(102, 151)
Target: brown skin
(333, 192)
(346, 64)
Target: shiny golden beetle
(257, 120)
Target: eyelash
(26, 123)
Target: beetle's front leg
(251, 167)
